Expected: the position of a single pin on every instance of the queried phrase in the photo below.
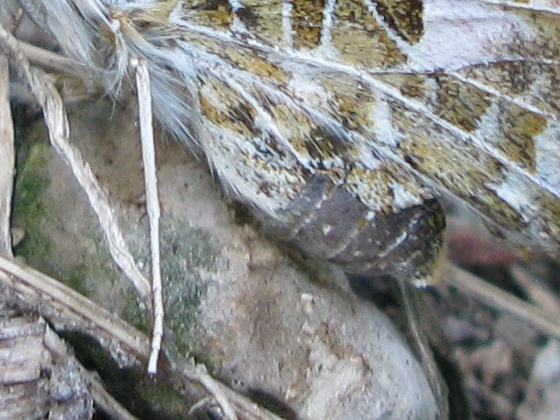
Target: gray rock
(234, 300)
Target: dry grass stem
(55, 117)
(144, 94)
(67, 308)
(100, 395)
(76, 310)
(409, 297)
(104, 400)
(7, 159)
(217, 390)
(51, 61)
(536, 290)
(496, 298)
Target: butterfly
(341, 122)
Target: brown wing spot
(355, 111)
(250, 61)
(544, 42)
(324, 143)
(519, 128)
(404, 17)
(248, 16)
(307, 22)
(360, 38)
(288, 119)
(520, 75)
(371, 187)
(348, 109)
(465, 171)
(220, 105)
(509, 77)
(375, 188)
(267, 189)
(413, 86)
(215, 13)
(460, 103)
(267, 21)
(533, 83)
(551, 206)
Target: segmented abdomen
(329, 222)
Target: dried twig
(74, 309)
(536, 291)
(104, 400)
(409, 299)
(57, 123)
(79, 310)
(49, 60)
(7, 159)
(144, 94)
(498, 299)
(98, 392)
(67, 308)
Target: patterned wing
(337, 119)
(460, 93)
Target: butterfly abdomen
(329, 222)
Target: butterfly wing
(354, 113)
(457, 96)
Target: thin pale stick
(144, 93)
(52, 61)
(536, 291)
(50, 101)
(7, 159)
(216, 389)
(106, 401)
(498, 299)
(99, 394)
(79, 311)
(410, 301)
(84, 311)
(55, 118)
